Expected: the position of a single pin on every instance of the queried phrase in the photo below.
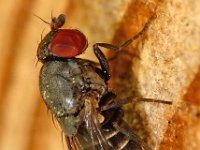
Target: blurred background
(24, 120)
(25, 123)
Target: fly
(76, 91)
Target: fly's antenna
(42, 19)
(56, 22)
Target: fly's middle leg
(120, 103)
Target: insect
(76, 92)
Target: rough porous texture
(168, 60)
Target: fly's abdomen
(119, 133)
(121, 137)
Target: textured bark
(168, 61)
(169, 58)
(160, 65)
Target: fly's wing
(97, 136)
(90, 135)
(73, 143)
(93, 125)
(68, 143)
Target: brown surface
(168, 57)
(184, 127)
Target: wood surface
(164, 63)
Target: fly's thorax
(63, 86)
(93, 81)
(64, 83)
(60, 81)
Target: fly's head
(61, 43)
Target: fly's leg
(127, 100)
(101, 57)
(103, 62)
(126, 43)
(116, 48)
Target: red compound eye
(68, 43)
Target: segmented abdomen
(121, 136)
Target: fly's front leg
(126, 43)
(103, 62)
(101, 57)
